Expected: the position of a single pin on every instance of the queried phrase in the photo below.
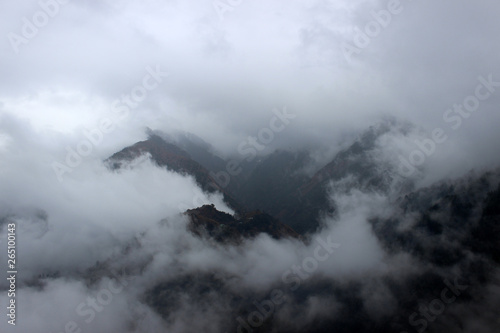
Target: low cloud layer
(87, 77)
(98, 252)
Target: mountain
(454, 238)
(204, 153)
(198, 149)
(168, 155)
(279, 185)
(225, 228)
(357, 166)
(451, 220)
(357, 162)
(426, 242)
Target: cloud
(227, 76)
(225, 79)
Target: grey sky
(228, 70)
(226, 76)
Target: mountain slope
(167, 155)
(224, 228)
(279, 186)
(448, 221)
(198, 149)
(277, 183)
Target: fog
(224, 75)
(67, 228)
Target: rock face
(208, 222)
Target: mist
(81, 81)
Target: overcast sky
(230, 66)
(229, 69)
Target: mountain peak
(172, 157)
